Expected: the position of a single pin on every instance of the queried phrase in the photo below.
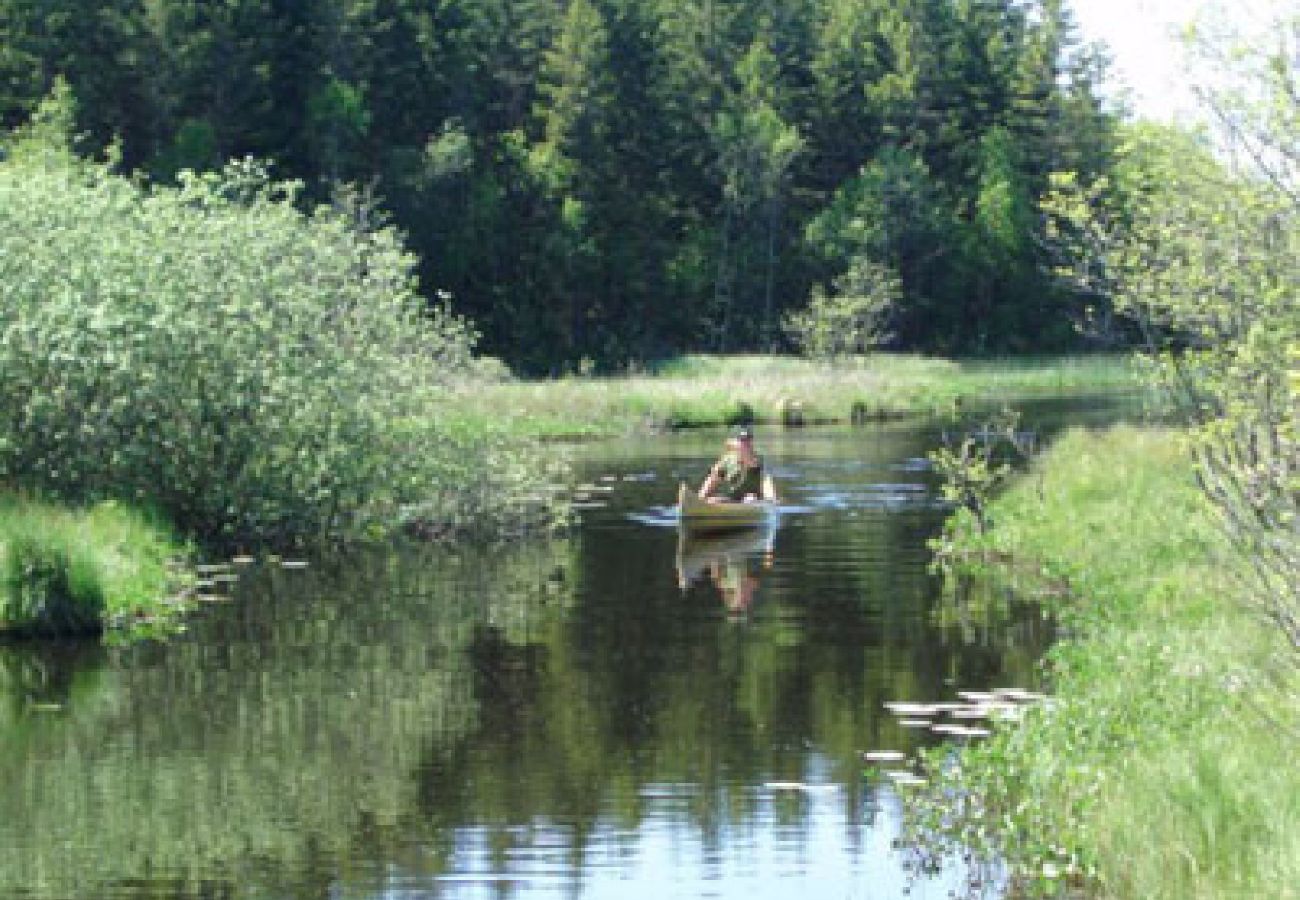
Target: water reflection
(732, 563)
(589, 717)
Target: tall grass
(1163, 766)
(699, 390)
(66, 571)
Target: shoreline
(694, 392)
(713, 391)
(71, 571)
(1155, 770)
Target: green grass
(1164, 765)
(79, 571)
(696, 390)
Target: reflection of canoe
(695, 554)
(699, 516)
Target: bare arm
(710, 483)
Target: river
(612, 714)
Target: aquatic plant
(972, 465)
(707, 390)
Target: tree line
(604, 182)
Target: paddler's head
(741, 442)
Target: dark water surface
(611, 715)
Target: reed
(65, 571)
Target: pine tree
(756, 148)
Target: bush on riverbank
(254, 372)
(1162, 766)
(65, 572)
(1216, 295)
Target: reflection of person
(736, 580)
(733, 564)
(738, 473)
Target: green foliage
(1003, 208)
(47, 592)
(756, 149)
(449, 153)
(972, 467)
(255, 372)
(65, 571)
(574, 82)
(194, 147)
(52, 125)
(1152, 770)
(338, 119)
(1203, 258)
(886, 210)
(852, 320)
(1161, 769)
(622, 180)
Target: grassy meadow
(1163, 764)
(81, 571)
(702, 390)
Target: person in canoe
(738, 473)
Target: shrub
(853, 317)
(254, 371)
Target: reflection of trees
(239, 764)
(45, 677)
(393, 708)
(643, 685)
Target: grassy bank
(1164, 764)
(65, 571)
(713, 390)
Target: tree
(631, 178)
(1000, 254)
(100, 47)
(862, 79)
(756, 148)
(851, 318)
(337, 120)
(894, 213)
(574, 162)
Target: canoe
(700, 516)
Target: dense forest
(597, 183)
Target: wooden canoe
(701, 516)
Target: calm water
(612, 715)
